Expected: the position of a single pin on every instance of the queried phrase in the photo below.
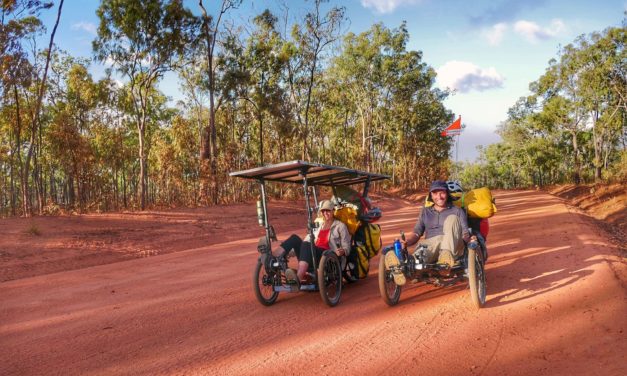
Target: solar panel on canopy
(317, 174)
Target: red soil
(81, 296)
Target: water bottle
(397, 249)
(260, 217)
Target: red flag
(453, 129)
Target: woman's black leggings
(302, 250)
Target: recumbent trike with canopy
(269, 277)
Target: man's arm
(419, 229)
(410, 239)
(465, 233)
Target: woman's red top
(322, 241)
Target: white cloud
(495, 34)
(85, 26)
(534, 32)
(386, 6)
(464, 77)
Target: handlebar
(404, 242)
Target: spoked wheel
(330, 279)
(390, 291)
(263, 284)
(476, 278)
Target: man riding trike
(449, 252)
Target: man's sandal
(392, 262)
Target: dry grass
(33, 230)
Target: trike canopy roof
(317, 174)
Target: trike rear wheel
(263, 285)
(390, 291)
(330, 279)
(476, 278)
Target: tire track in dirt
(439, 316)
(497, 346)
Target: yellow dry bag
(348, 216)
(479, 203)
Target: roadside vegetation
(572, 129)
(270, 90)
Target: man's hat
(438, 185)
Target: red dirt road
(557, 304)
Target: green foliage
(573, 127)
(143, 40)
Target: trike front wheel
(263, 285)
(390, 291)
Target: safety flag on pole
(454, 129)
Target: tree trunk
(70, 191)
(597, 141)
(142, 165)
(209, 147)
(577, 171)
(36, 118)
(115, 189)
(18, 142)
(125, 201)
(12, 178)
(53, 188)
(261, 162)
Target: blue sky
(488, 50)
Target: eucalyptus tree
(398, 111)
(71, 108)
(18, 23)
(563, 101)
(210, 33)
(603, 83)
(142, 40)
(258, 77)
(584, 92)
(307, 47)
(358, 72)
(13, 61)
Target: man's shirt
(431, 221)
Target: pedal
(311, 287)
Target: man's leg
(433, 248)
(452, 246)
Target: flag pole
(455, 129)
(457, 146)
(457, 149)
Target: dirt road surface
(556, 305)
